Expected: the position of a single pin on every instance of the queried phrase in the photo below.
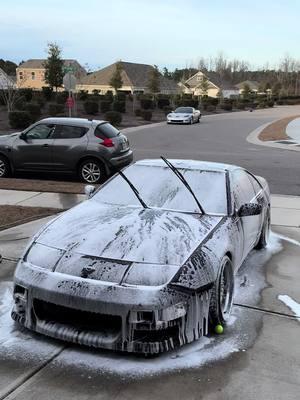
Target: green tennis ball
(219, 329)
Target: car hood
(8, 138)
(179, 115)
(127, 234)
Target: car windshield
(158, 186)
(184, 110)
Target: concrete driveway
(258, 356)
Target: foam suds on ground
(238, 336)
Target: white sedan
(184, 115)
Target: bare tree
(8, 91)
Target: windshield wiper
(183, 180)
(131, 185)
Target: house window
(32, 75)
(21, 75)
(199, 78)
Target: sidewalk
(285, 209)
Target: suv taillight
(107, 142)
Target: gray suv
(92, 149)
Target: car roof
(189, 164)
(72, 121)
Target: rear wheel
(222, 294)
(92, 171)
(4, 167)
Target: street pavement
(222, 138)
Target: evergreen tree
(54, 67)
(116, 78)
(154, 81)
(204, 86)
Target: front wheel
(265, 232)
(222, 294)
(91, 171)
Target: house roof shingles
(133, 74)
(39, 64)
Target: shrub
(262, 104)
(270, 103)
(119, 106)
(91, 107)
(163, 102)
(121, 96)
(190, 103)
(240, 106)
(55, 109)
(83, 95)
(210, 108)
(27, 93)
(96, 92)
(34, 110)
(146, 104)
(19, 119)
(279, 102)
(109, 96)
(226, 106)
(114, 117)
(104, 106)
(146, 115)
(138, 112)
(167, 109)
(40, 100)
(2, 101)
(20, 103)
(47, 93)
(61, 98)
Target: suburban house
(6, 81)
(253, 86)
(216, 86)
(31, 73)
(135, 79)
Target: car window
(41, 131)
(69, 132)
(256, 186)
(242, 188)
(164, 189)
(106, 131)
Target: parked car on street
(184, 115)
(144, 268)
(89, 148)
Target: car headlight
(187, 116)
(43, 256)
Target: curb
(253, 138)
(142, 127)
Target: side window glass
(41, 131)
(243, 191)
(69, 132)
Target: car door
(70, 143)
(244, 193)
(34, 150)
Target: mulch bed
(15, 215)
(276, 130)
(34, 185)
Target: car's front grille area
(77, 319)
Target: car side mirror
(246, 210)
(89, 190)
(23, 136)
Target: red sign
(70, 102)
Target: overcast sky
(172, 33)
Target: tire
(4, 167)
(191, 121)
(221, 302)
(199, 120)
(264, 235)
(92, 171)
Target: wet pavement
(257, 357)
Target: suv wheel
(92, 171)
(4, 167)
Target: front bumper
(178, 121)
(105, 315)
